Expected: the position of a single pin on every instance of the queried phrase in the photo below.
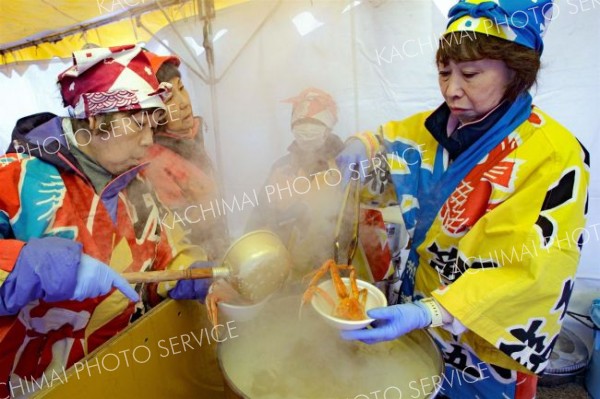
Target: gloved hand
(49, 268)
(349, 161)
(95, 278)
(193, 289)
(392, 322)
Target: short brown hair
(167, 71)
(471, 46)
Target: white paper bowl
(240, 313)
(375, 299)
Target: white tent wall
(377, 60)
(29, 88)
(374, 56)
(278, 63)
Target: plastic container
(375, 299)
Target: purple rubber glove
(95, 279)
(53, 269)
(193, 289)
(45, 269)
(349, 161)
(392, 322)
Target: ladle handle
(168, 275)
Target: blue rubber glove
(45, 269)
(95, 279)
(349, 161)
(49, 268)
(193, 289)
(391, 322)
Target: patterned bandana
(520, 21)
(113, 79)
(314, 104)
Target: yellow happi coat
(502, 253)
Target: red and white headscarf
(315, 104)
(110, 79)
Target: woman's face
(180, 117)
(121, 143)
(473, 88)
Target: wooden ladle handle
(167, 275)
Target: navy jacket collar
(464, 136)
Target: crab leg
(362, 297)
(308, 294)
(212, 308)
(312, 286)
(320, 272)
(353, 285)
(340, 287)
(314, 289)
(351, 300)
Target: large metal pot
(276, 355)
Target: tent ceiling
(35, 30)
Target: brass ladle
(256, 265)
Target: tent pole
(251, 38)
(354, 45)
(206, 10)
(181, 39)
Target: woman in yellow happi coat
(493, 192)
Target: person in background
(310, 156)
(180, 170)
(306, 221)
(69, 223)
(493, 192)
(313, 151)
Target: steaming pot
(278, 356)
